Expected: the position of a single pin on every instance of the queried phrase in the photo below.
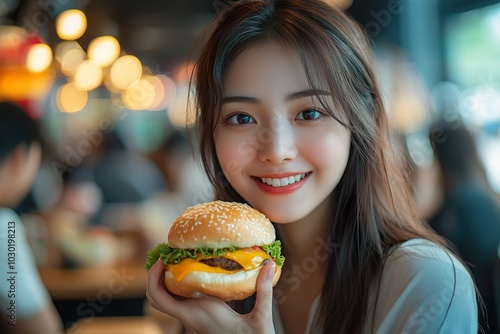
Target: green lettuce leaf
(274, 250)
(170, 255)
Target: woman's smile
(281, 185)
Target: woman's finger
(158, 295)
(262, 312)
(209, 314)
(155, 276)
(156, 306)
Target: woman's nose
(277, 144)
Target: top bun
(220, 224)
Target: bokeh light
(140, 95)
(39, 58)
(69, 55)
(124, 71)
(180, 113)
(88, 75)
(169, 91)
(70, 98)
(104, 50)
(71, 24)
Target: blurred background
(107, 81)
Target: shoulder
(7, 214)
(420, 256)
(10, 223)
(422, 262)
(19, 258)
(474, 196)
(425, 287)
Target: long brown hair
(374, 207)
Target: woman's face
(277, 146)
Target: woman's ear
(18, 172)
(11, 169)
(17, 158)
(21, 158)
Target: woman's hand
(208, 314)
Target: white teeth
(285, 181)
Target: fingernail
(271, 271)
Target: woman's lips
(281, 184)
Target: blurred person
(25, 304)
(469, 215)
(121, 174)
(171, 157)
(182, 169)
(186, 185)
(103, 193)
(122, 178)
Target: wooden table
(105, 300)
(116, 325)
(117, 282)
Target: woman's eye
(309, 115)
(239, 119)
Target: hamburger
(218, 249)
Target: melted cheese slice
(248, 258)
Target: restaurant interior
(108, 82)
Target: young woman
(291, 122)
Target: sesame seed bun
(220, 224)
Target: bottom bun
(236, 286)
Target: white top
(424, 289)
(20, 283)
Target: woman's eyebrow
(289, 97)
(240, 99)
(306, 93)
